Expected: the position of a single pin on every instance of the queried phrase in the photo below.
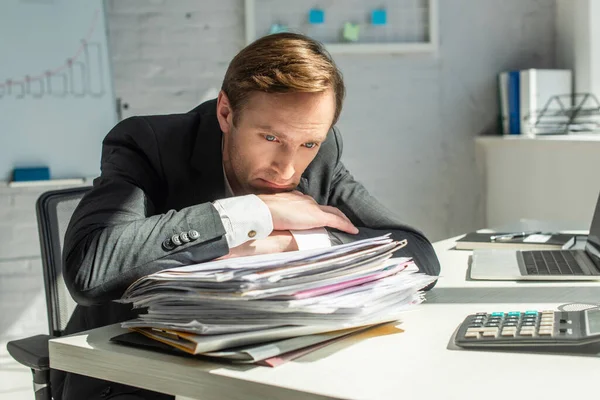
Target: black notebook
(474, 240)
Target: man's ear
(224, 112)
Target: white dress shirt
(248, 218)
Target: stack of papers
(218, 305)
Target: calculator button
(472, 335)
(497, 314)
(548, 314)
(526, 333)
(469, 330)
(509, 333)
(546, 323)
(531, 312)
(528, 323)
(544, 332)
(527, 328)
(514, 313)
(489, 334)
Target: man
(257, 170)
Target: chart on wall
(56, 95)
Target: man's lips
(274, 185)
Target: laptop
(542, 265)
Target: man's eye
(270, 138)
(309, 145)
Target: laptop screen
(592, 246)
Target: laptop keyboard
(551, 262)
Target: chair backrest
(54, 210)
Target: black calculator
(530, 328)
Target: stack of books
(535, 101)
(230, 308)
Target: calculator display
(593, 321)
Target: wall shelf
(580, 137)
(412, 24)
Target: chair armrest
(31, 352)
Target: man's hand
(277, 242)
(296, 211)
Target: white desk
(404, 365)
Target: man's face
(275, 137)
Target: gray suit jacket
(159, 175)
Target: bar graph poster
(56, 96)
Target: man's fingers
(336, 211)
(337, 221)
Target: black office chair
(54, 210)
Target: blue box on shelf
(31, 174)
(379, 17)
(316, 16)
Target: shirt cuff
(316, 238)
(244, 218)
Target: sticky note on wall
(276, 28)
(379, 17)
(316, 16)
(351, 31)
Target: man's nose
(284, 165)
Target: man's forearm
(108, 248)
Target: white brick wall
(168, 53)
(22, 295)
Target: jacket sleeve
(115, 235)
(373, 219)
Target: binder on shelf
(503, 102)
(537, 87)
(514, 108)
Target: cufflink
(251, 234)
(168, 245)
(193, 235)
(176, 241)
(184, 237)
